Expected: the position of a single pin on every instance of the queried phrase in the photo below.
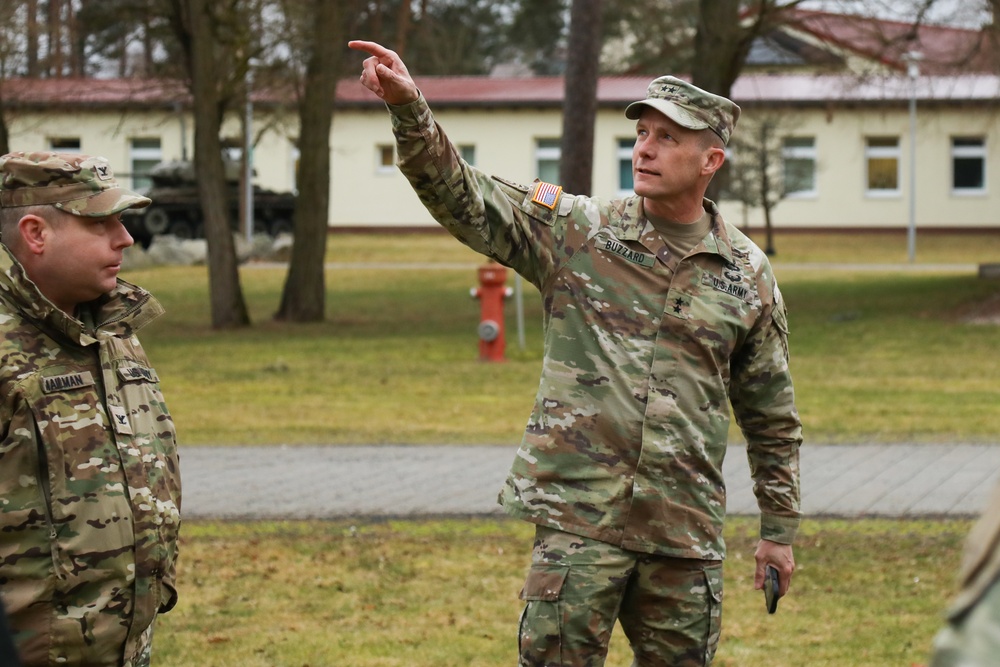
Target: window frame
(552, 152)
(883, 153)
(61, 144)
(468, 153)
(381, 166)
(969, 152)
(799, 153)
(623, 153)
(144, 154)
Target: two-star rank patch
(546, 194)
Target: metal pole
(911, 234)
(183, 122)
(248, 162)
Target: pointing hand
(385, 74)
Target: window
(64, 144)
(385, 158)
(882, 162)
(468, 153)
(143, 155)
(625, 182)
(547, 154)
(798, 156)
(968, 165)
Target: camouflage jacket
(89, 479)
(643, 354)
(980, 561)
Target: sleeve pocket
(544, 582)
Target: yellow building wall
(363, 194)
(841, 199)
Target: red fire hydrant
(492, 292)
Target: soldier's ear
(34, 231)
(714, 157)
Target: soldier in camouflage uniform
(657, 316)
(972, 636)
(89, 479)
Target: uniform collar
(718, 241)
(632, 221)
(120, 313)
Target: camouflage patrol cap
(83, 185)
(688, 106)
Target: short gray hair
(10, 216)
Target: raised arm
(385, 74)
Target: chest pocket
(714, 310)
(69, 412)
(142, 401)
(80, 460)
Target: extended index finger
(371, 48)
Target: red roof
(94, 92)
(618, 91)
(944, 49)
(539, 92)
(506, 92)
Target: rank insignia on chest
(546, 194)
(119, 419)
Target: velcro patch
(137, 374)
(546, 194)
(68, 381)
(613, 245)
(119, 418)
(732, 288)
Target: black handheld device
(771, 588)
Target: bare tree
(4, 131)
(756, 175)
(722, 42)
(31, 35)
(580, 100)
(197, 25)
(304, 296)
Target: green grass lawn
(876, 355)
(444, 593)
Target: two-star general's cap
(688, 106)
(79, 184)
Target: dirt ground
(986, 311)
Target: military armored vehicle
(176, 208)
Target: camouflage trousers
(973, 639)
(577, 588)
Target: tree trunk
(580, 100)
(31, 39)
(304, 296)
(717, 44)
(225, 293)
(4, 132)
(404, 20)
(719, 53)
(53, 64)
(75, 41)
